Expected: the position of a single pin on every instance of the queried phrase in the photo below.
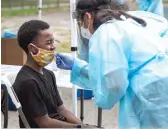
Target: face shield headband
(78, 14)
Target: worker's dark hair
(104, 10)
(29, 31)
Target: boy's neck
(31, 63)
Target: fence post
(9, 4)
(58, 2)
(22, 4)
(31, 4)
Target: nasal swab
(62, 61)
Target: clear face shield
(83, 43)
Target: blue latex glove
(64, 62)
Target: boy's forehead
(46, 33)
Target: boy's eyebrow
(57, 40)
(53, 39)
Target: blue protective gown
(154, 6)
(128, 63)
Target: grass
(20, 12)
(33, 11)
(165, 3)
(18, 3)
(64, 47)
(64, 36)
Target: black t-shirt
(38, 94)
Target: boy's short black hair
(28, 32)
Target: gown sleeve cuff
(76, 69)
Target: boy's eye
(50, 41)
(53, 41)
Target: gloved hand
(64, 62)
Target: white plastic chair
(8, 80)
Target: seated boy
(36, 86)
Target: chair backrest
(9, 80)
(11, 77)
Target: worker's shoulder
(112, 27)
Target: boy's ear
(32, 49)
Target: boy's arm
(46, 122)
(70, 117)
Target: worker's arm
(107, 71)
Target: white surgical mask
(86, 32)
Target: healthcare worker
(127, 63)
(154, 6)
